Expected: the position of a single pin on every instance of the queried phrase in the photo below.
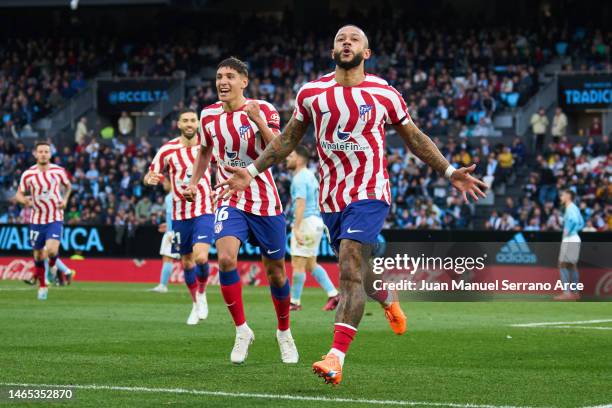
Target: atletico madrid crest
(365, 112)
(244, 131)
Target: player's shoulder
(263, 104)
(171, 144)
(211, 110)
(375, 79)
(322, 82)
(55, 167)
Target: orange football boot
(396, 318)
(329, 369)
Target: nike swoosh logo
(352, 231)
(272, 252)
(202, 236)
(55, 235)
(323, 113)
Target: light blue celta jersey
(305, 185)
(168, 204)
(572, 221)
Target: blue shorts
(269, 232)
(360, 221)
(40, 233)
(187, 233)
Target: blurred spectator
(539, 124)
(125, 124)
(559, 125)
(81, 131)
(595, 129)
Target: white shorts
(165, 248)
(570, 250)
(312, 229)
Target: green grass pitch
(453, 353)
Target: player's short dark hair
(186, 110)
(235, 64)
(570, 192)
(41, 143)
(303, 151)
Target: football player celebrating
(192, 222)
(236, 130)
(349, 110)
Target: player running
(349, 110)
(192, 222)
(166, 249)
(236, 130)
(61, 276)
(307, 231)
(44, 182)
(573, 223)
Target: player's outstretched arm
(425, 149)
(275, 152)
(201, 163)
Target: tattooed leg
(353, 266)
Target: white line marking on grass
(256, 395)
(580, 327)
(600, 406)
(559, 323)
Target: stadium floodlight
(74, 4)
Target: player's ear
(245, 82)
(367, 53)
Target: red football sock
(202, 284)
(231, 289)
(282, 303)
(282, 312)
(343, 335)
(39, 270)
(381, 296)
(192, 290)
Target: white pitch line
(559, 323)
(600, 406)
(256, 395)
(580, 327)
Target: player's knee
(350, 261)
(226, 262)
(201, 259)
(276, 273)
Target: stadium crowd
(107, 184)
(453, 82)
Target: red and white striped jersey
(44, 186)
(179, 160)
(349, 127)
(237, 142)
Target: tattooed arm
(280, 147)
(421, 145)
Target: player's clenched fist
(252, 110)
(153, 178)
(189, 192)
